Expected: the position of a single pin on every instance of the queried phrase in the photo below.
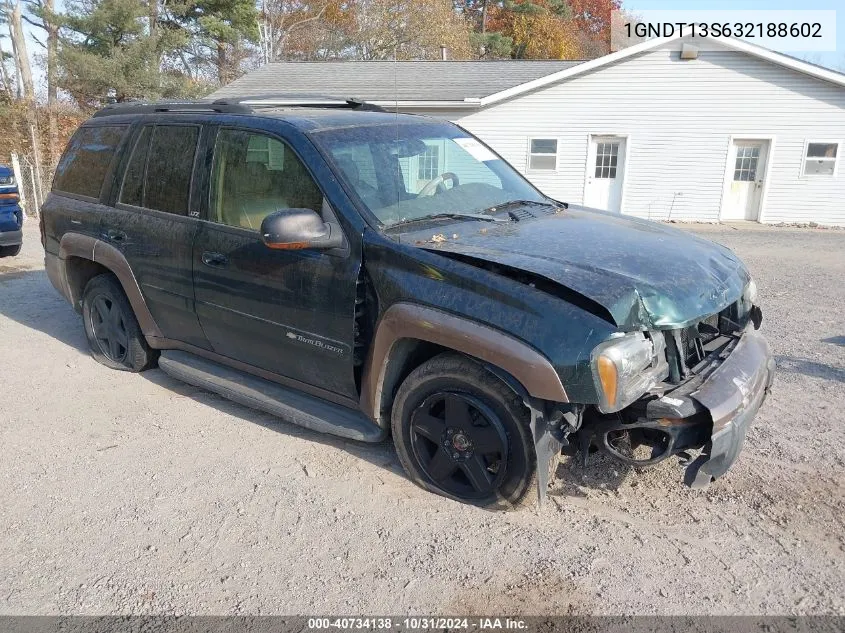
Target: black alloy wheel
(460, 444)
(113, 333)
(462, 433)
(109, 326)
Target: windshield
(410, 171)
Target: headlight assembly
(627, 366)
(749, 296)
(748, 299)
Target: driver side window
(253, 176)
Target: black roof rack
(140, 107)
(236, 105)
(277, 100)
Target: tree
(593, 21)
(12, 12)
(619, 37)
(8, 78)
(303, 29)
(538, 29)
(217, 31)
(406, 29)
(108, 50)
(491, 45)
(362, 29)
(475, 12)
(42, 15)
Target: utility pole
(52, 28)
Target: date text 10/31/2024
(419, 623)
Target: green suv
(367, 274)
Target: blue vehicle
(11, 214)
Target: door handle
(115, 236)
(217, 260)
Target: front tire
(113, 333)
(462, 433)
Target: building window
(745, 168)
(820, 159)
(543, 154)
(429, 163)
(607, 154)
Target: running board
(289, 404)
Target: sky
(835, 60)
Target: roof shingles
(389, 81)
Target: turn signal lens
(609, 379)
(287, 246)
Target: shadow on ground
(28, 298)
(795, 365)
(602, 472)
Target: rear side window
(132, 191)
(159, 172)
(85, 163)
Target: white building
(723, 132)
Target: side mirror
(294, 229)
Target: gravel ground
(138, 494)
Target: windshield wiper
(449, 216)
(522, 203)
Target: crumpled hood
(646, 275)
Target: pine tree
(111, 50)
(219, 33)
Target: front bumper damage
(710, 412)
(733, 394)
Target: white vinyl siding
(680, 116)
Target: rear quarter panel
(63, 213)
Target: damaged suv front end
(681, 370)
(652, 332)
(675, 391)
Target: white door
(605, 172)
(745, 180)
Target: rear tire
(460, 432)
(10, 251)
(113, 333)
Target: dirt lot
(126, 493)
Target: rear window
(85, 163)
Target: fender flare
(403, 320)
(90, 248)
